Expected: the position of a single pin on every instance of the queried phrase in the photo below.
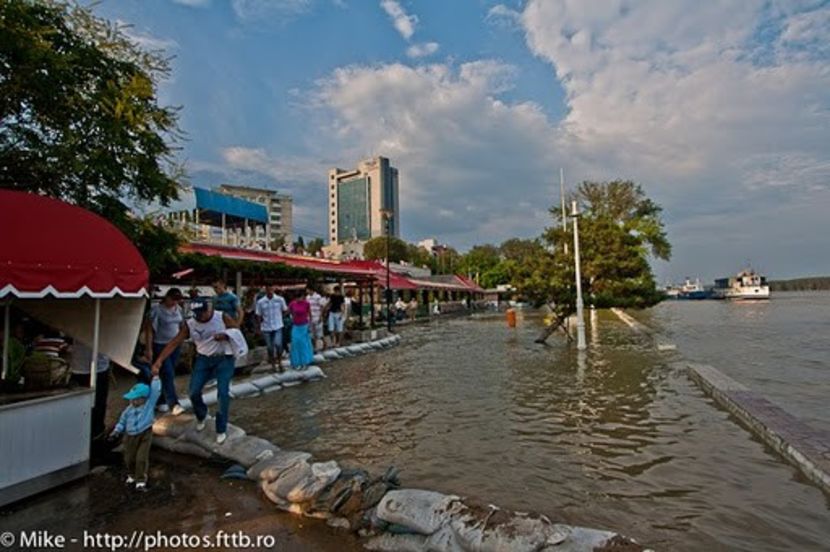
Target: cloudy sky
(720, 109)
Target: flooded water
(779, 347)
(617, 439)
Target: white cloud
(281, 169)
(404, 23)
(145, 40)
(502, 15)
(252, 11)
(464, 154)
(192, 3)
(422, 50)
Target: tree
(620, 229)
(479, 260)
(517, 249)
(299, 245)
(79, 115)
(375, 249)
(315, 246)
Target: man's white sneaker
(177, 410)
(130, 480)
(220, 438)
(200, 424)
(141, 486)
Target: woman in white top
(214, 359)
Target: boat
(693, 291)
(748, 285)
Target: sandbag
(491, 530)
(180, 446)
(207, 437)
(264, 382)
(244, 389)
(421, 511)
(319, 357)
(397, 543)
(271, 468)
(297, 475)
(355, 349)
(322, 475)
(343, 352)
(174, 426)
(248, 450)
(330, 354)
(210, 397)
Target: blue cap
(138, 391)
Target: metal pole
(388, 289)
(562, 200)
(93, 367)
(580, 322)
(6, 331)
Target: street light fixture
(387, 215)
(580, 321)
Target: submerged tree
(619, 229)
(80, 118)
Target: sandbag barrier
(390, 518)
(267, 383)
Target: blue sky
(721, 110)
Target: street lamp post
(387, 216)
(580, 321)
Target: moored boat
(693, 291)
(748, 285)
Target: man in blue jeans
(270, 310)
(214, 359)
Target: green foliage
(479, 259)
(375, 249)
(815, 283)
(315, 246)
(79, 116)
(446, 261)
(619, 229)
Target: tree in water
(620, 229)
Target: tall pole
(580, 321)
(562, 201)
(387, 214)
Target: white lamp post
(580, 320)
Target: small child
(137, 422)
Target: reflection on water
(611, 438)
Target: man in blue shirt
(226, 302)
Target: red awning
(52, 248)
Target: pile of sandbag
(417, 520)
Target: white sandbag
(207, 437)
(271, 468)
(296, 476)
(248, 450)
(343, 352)
(210, 397)
(174, 426)
(264, 382)
(355, 349)
(513, 531)
(180, 446)
(272, 389)
(244, 389)
(313, 373)
(185, 403)
(319, 357)
(364, 348)
(421, 511)
(584, 538)
(322, 475)
(330, 354)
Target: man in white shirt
(269, 311)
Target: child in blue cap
(137, 422)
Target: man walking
(226, 301)
(269, 311)
(336, 316)
(214, 359)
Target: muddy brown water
(616, 439)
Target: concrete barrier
(805, 447)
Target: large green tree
(620, 229)
(80, 118)
(375, 249)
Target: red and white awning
(49, 248)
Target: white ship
(748, 285)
